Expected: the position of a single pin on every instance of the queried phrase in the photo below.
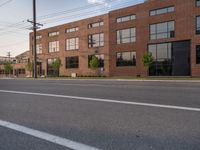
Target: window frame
(39, 48)
(167, 10)
(91, 42)
(197, 31)
(50, 46)
(55, 33)
(170, 34)
(71, 66)
(198, 55)
(134, 62)
(101, 64)
(130, 18)
(197, 3)
(68, 46)
(132, 39)
(98, 23)
(70, 30)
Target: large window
(197, 3)
(53, 33)
(39, 48)
(126, 18)
(96, 40)
(162, 30)
(126, 59)
(50, 70)
(100, 58)
(162, 11)
(96, 24)
(72, 62)
(198, 25)
(162, 54)
(53, 46)
(198, 54)
(72, 30)
(72, 44)
(126, 35)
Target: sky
(14, 28)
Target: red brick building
(169, 29)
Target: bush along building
(168, 29)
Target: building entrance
(170, 59)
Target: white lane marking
(46, 136)
(104, 100)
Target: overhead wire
(22, 25)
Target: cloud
(97, 1)
(106, 3)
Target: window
(38, 37)
(53, 33)
(126, 59)
(96, 24)
(161, 52)
(198, 54)
(53, 46)
(72, 62)
(39, 48)
(162, 30)
(126, 36)
(197, 3)
(72, 30)
(162, 11)
(162, 63)
(50, 70)
(198, 25)
(96, 40)
(72, 44)
(21, 71)
(100, 58)
(126, 18)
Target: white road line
(104, 100)
(46, 136)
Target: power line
(72, 10)
(2, 4)
(22, 24)
(83, 14)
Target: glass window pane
(162, 52)
(153, 29)
(198, 25)
(126, 59)
(162, 11)
(171, 9)
(152, 50)
(152, 13)
(161, 27)
(198, 3)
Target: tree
(56, 66)
(94, 63)
(8, 68)
(147, 60)
(29, 67)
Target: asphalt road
(101, 124)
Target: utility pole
(35, 27)
(8, 54)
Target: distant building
(169, 29)
(7, 59)
(23, 58)
(18, 64)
